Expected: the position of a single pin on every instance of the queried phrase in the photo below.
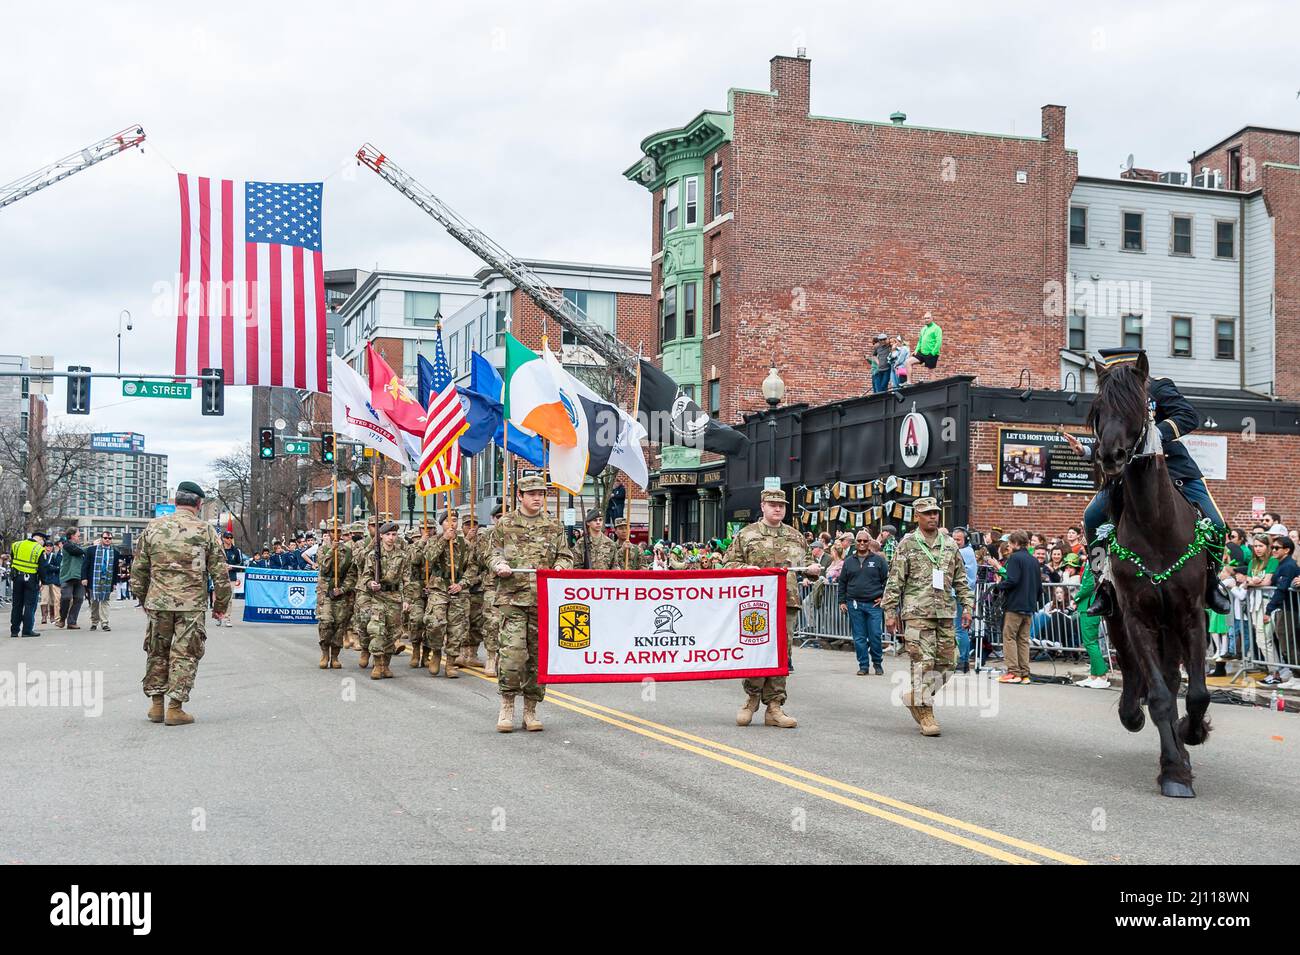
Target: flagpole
(505, 465)
(424, 505)
(473, 496)
(334, 506)
(627, 482)
(374, 494)
(452, 543)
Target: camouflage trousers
(415, 624)
(384, 622)
(333, 617)
(771, 689)
(446, 622)
(483, 626)
(932, 647)
(517, 668)
(174, 641)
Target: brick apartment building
(785, 238)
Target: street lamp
(773, 392)
(408, 481)
(356, 512)
(127, 315)
(27, 516)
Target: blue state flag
(424, 387)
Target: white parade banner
(625, 626)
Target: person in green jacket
(1088, 629)
(928, 345)
(73, 590)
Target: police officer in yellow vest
(26, 560)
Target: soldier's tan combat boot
(490, 668)
(156, 708)
(775, 716)
(433, 662)
(506, 718)
(377, 671)
(175, 715)
(929, 725)
(417, 656)
(334, 659)
(365, 658)
(747, 711)
(324, 657)
(387, 658)
(531, 722)
(906, 699)
(449, 668)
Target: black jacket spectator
(88, 565)
(863, 578)
(1286, 572)
(1023, 583)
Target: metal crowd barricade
(1264, 646)
(820, 619)
(1053, 630)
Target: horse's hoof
(1135, 724)
(1177, 790)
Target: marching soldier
(447, 614)
(627, 556)
(925, 569)
(175, 557)
(491, 631)
(595, 551)
(387, 573)
(475, 571)
(770, 542)
(336, 584)
(356, 623)
(415, 623)
(527, 538)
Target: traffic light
(327, 447)
(265, 443)
(213, 392)
(79, 390)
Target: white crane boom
(70, 165)
(551, 301)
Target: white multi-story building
(1182, 271)
(400, 306)
(122, 486)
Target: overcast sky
(522, 117)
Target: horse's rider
(1174, 417)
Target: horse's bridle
(1144, 443)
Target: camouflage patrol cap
(923, 505)
(532, 482)
(469, 520)
(773, 496)
(622, 522)
(189, 487)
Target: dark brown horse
(1156, 625)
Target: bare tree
(46, 470)
(234, 489)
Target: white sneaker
(1095, 683)
(227, 622)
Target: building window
(1133, 239)
(500, 309)
(1180, 336)
(1180, 241)
(689, 391)
(670, 207)
(717, 190)
(688, 311)
(1225, 240)
(1132, 331)
(668, 314)
(715, 321)
(422, 308)
(453, 351)
(411, 350)
(715, 397)
(692, 199)
(1225, 338)
(600, 307)
(1078, 226)
(1078, 332)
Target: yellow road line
(687, 742)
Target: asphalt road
(289, 763)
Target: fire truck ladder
(71, 165)
(551, 301)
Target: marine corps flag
(676, 419)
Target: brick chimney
(790, 81)
(1054, 124)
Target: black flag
(676, 419)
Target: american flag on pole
(445, 422)
(251, 299)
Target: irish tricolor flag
(531, 398)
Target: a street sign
(296, 447)
(156, 389)
(160, 509)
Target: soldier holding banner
(771, 542)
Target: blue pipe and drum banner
(279, 596)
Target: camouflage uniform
(927, 611)
(520, 541)
(384, 608)
(475, 572)
(176, 555)
(627, 556)
(600, 554)
(415, 625)
(447, 614)
(334, 608)
(363, 545)
(758, 545)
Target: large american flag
(251, 298)
(440, 457)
